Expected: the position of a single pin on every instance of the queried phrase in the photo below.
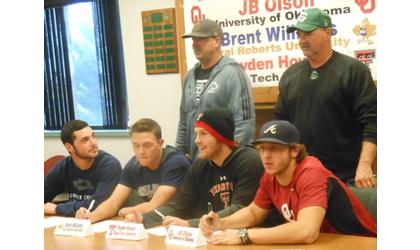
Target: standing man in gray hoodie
(215, 81)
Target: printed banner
(254, 32)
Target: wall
(153, 96)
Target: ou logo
(287, 213)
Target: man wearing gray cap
(331, 99)
(215, 81)
(310, 198)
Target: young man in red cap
(309, 196)
(225, 175)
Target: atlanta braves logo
(271, 129)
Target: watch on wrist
(243, 235)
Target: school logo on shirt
(225, 197)
(223, 189)
(147, 190)
(81, 184)
(213, 87)
(287, 213)
(199, 88)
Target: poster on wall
(254, 32)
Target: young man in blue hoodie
(215, 81)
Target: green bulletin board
(160, 41)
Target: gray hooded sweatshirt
(228, 86)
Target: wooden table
(98, 241)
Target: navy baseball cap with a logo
(280, 131)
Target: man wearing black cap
(225, 175)
(310, 197)
(331, 99)
(215, 81)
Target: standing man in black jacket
(225, 175)
(331, 99)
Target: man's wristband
(243, 235)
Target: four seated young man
(310, 198)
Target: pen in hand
(210, 209)
(91, 205)
(160, 214)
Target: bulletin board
(160, 41)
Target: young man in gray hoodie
(215, 81)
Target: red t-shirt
(310, 187)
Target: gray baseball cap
(205, 28)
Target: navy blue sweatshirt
(98, 183)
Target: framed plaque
(160, 41)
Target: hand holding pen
(209, 222)
(170, 220)
(210, 210)
(160, 214)
(83, 213)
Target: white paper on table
(158, 231)
(102, 226)
(53, 221)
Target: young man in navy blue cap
(226, 175)
(310, 197)
(331, 98)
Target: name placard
(185, 236)
(74, 227)
(126, 231)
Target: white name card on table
(74, 227)
(185, 236)
(126, 231)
